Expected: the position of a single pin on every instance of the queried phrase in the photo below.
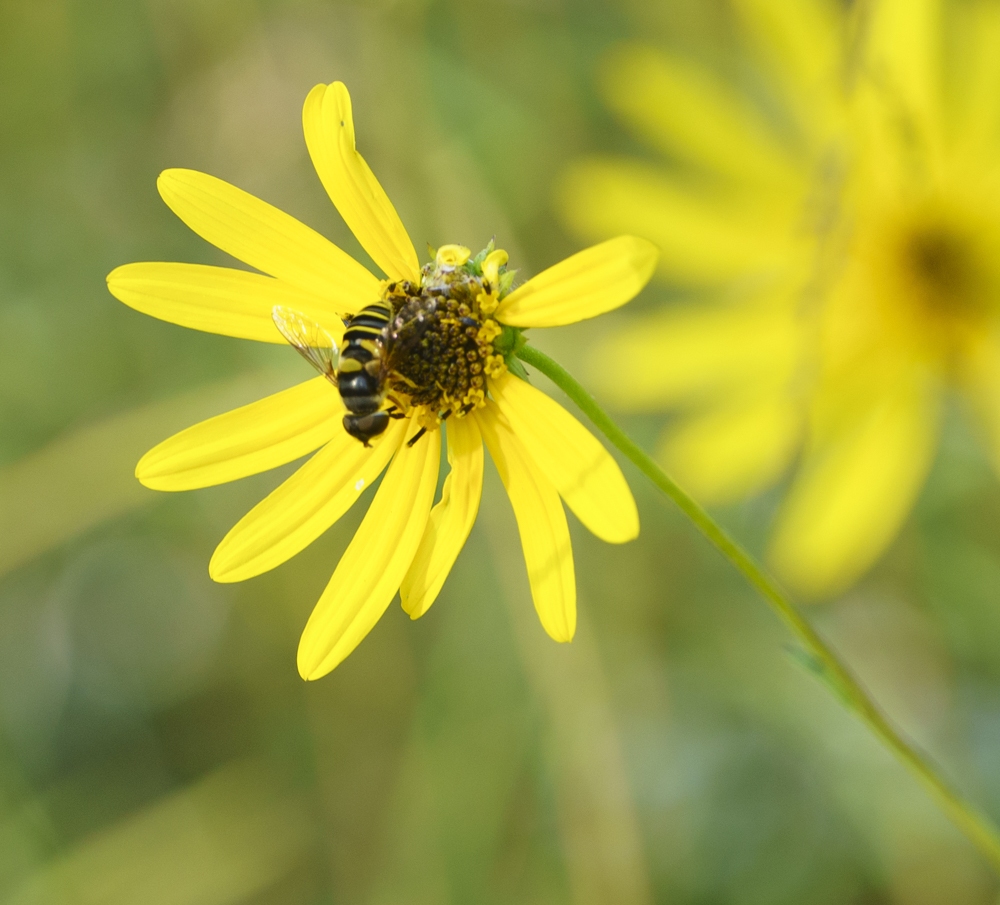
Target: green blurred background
(156, 743)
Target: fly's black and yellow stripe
(361, 371)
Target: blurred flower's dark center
(443, 332)
(942, 264)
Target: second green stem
(976, 826)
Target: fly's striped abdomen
(360, 375)
(372, 319)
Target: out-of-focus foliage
(156, 744)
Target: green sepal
(509, 341)
(506, 281)
(475, 264)
(507, 344)
(516, 368)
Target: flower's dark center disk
(436, 354)
(946, 274)
(943, 263)
(442, 334)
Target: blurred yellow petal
(351, 185)
(854, 491)
(571, 458)
(977, 86)
(266, 238)
(591, 282)
(802, 42)
(878, 173)
(372, 568)
(702, 237)
(450, 520)
(247, 440)
(304, 506)
(541, 522)
(905, 43)
(216, 299)
(690, 355)
(688, 112)
(733, 451)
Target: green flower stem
(818, 656)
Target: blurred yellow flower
(445, 318)
(843, 244)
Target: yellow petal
(264, 237)
(735, 450)
(855, 490)
(592, 281)
(492, 264)
(541, 522)
(216, 299)
(693, 354)
(686, 111)
(351, 185)
(450, 521)
(304, 506)
(702, 237)
(571, 457)
(247, 440)
(372, 568)
(452, 255)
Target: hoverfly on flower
(359, 374)
(431, 343)
(426, 351)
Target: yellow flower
(844, 248)
(439, 354)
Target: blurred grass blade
(597, 818)
(216, 842)
(88, 475)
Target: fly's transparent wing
(311, 341)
